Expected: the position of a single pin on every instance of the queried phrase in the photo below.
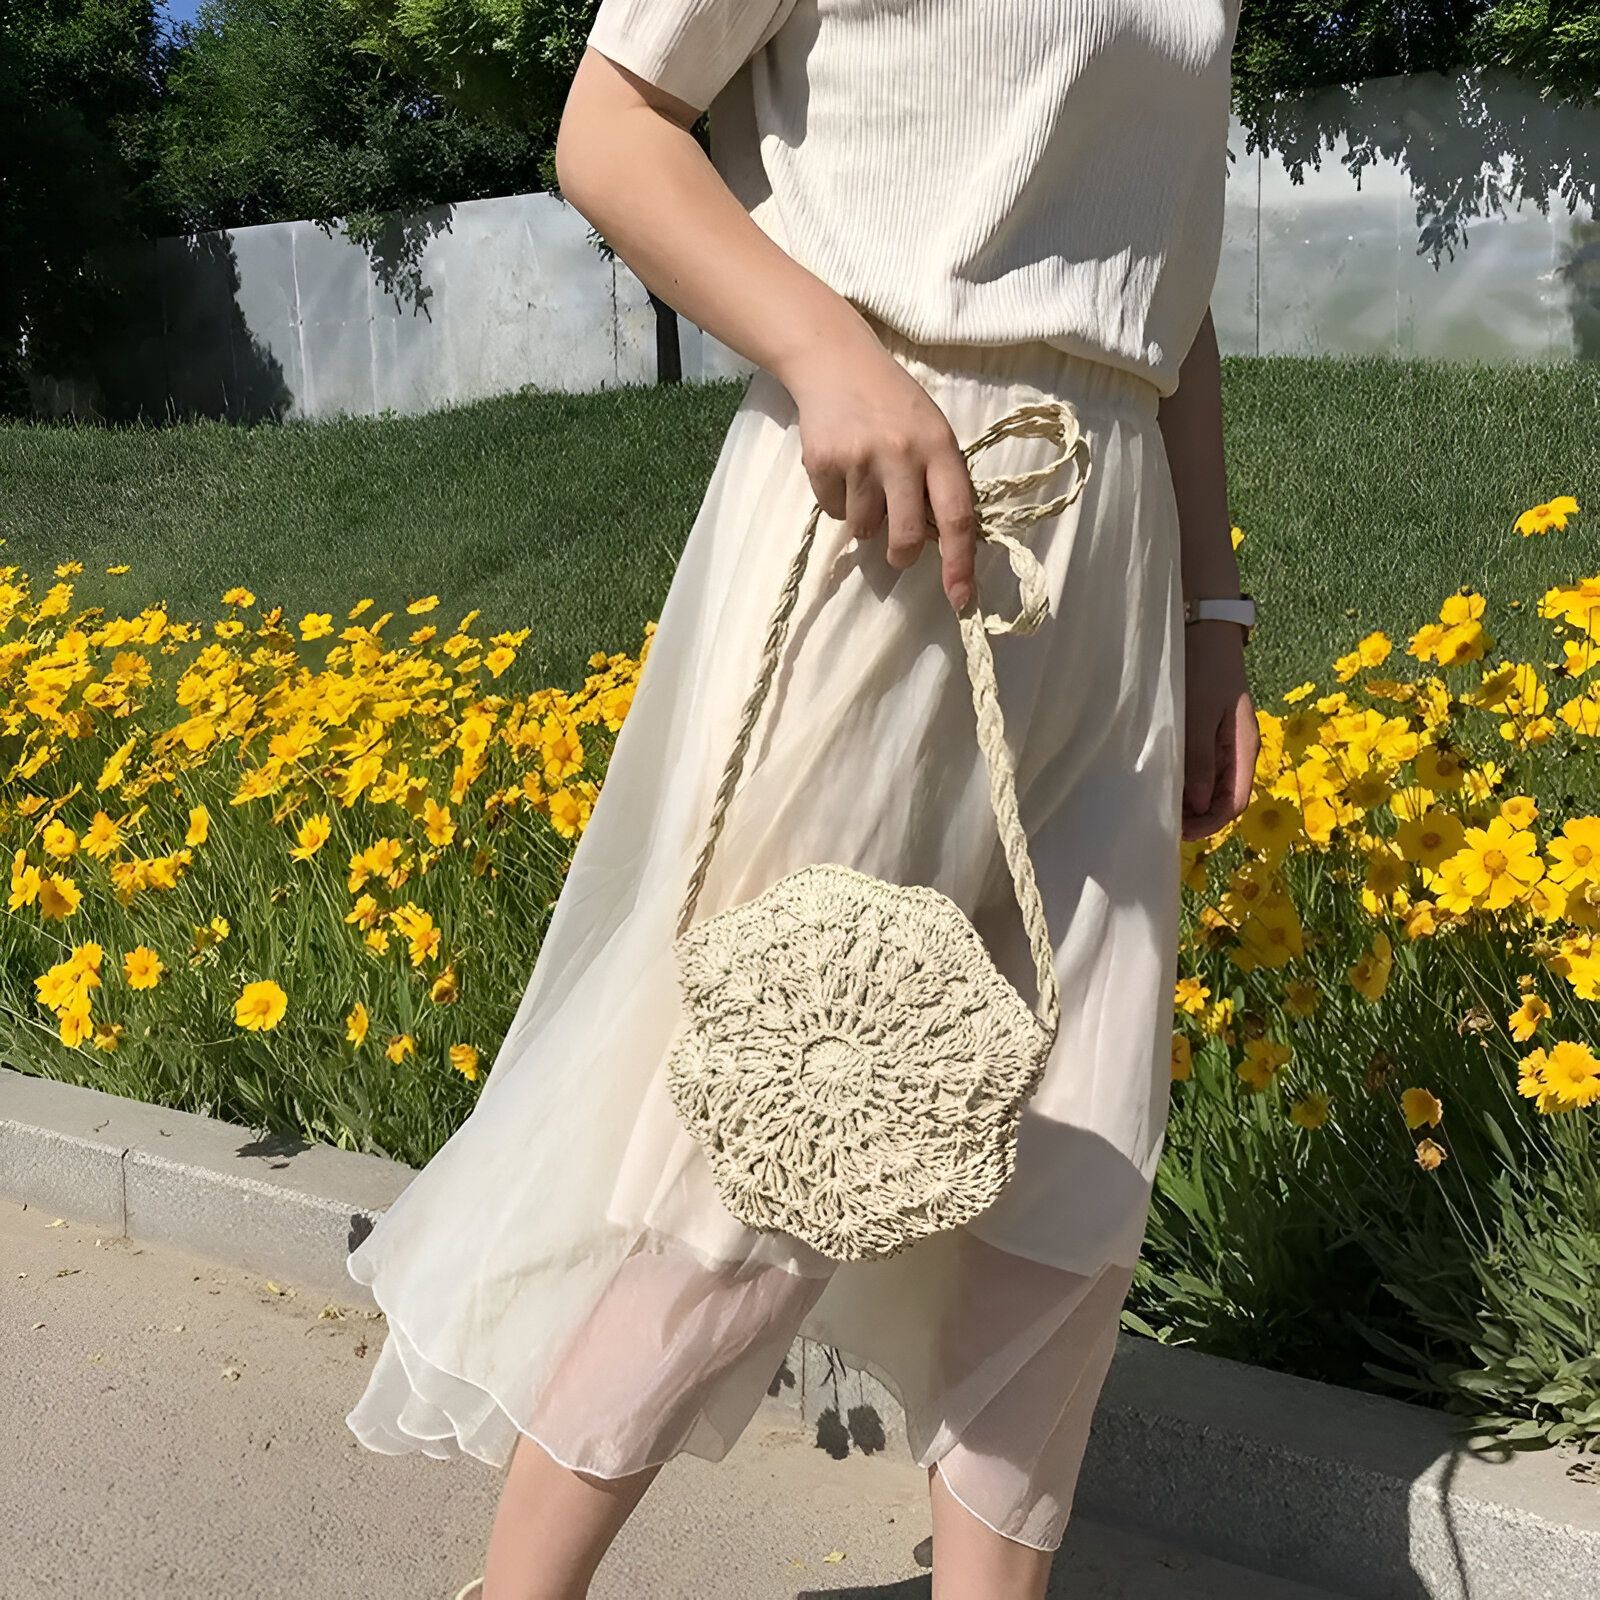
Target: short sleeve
(690, 48)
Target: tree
(1290, 47)
(76, 77)
(507, 59)
(273, 112)
(1555, 43)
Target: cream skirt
(563, 1267)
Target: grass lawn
(1369, 489)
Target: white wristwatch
(1231, 608)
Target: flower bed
(295, 874)
(286, 874)
(1381, 1163)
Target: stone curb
(1368, 1496)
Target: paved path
(175, 1430)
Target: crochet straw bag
(849, 1058)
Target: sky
(180, 11)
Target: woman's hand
(880, 453)
(1221, 739)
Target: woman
(918, 215)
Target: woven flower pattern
(851, 1061)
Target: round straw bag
(850, 1059)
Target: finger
(906, 488)
(866, 504)
(1200, 764)
(828, 486)
(1246, 747)
(956, 519)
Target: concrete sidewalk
(175, 1430)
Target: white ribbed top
(970, 171)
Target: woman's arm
(1221, 737)
(875, 447)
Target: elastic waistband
(1091, 384)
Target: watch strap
(1222, 608)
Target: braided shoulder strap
(1001, 515)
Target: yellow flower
(1418, 1106)
(316, 625)
(1439, 769)
(1311, 1109)
(261, 1006)
(116, 765)
(1191, 996)
(417, 928)
(446, 988)
(1301, 996)
(26, 881)
(313, 833)
(1575, 854)
(143, 967)
(1218, 1017)
(1551, 514)
(1270, 824)
(366, 913)
(570, 808)
(75, 1026)
(238, 597)
(1386, 876)
(1182, 1058)
(399, 1047)
(1369, 977)
(356, 1024)
(1262, 1059)
(1525, 1020)
(209, 936)
(417, 607)
(465, 1060)
(59, 840)
(437, 823)
(563, 753)
(1499, 864)
(103, 838)
(199, 826)
(1371, 651)
(108, 1035)
(1519, 810)
(1430, 838)
(58, 897)
(1572, 1074)
(1430, 1155)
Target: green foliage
(76, 76)
(272, 111)
(1289, 47)
(1554, 43)
(508, 59)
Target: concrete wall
(1433, 216)
(293, 320)
(1451, 217)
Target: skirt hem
(501, 1462)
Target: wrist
(813, 358)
